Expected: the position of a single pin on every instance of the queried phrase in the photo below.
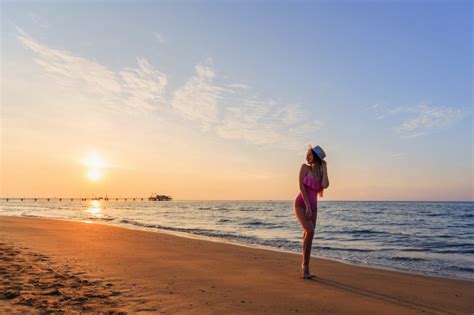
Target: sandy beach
(67, 267)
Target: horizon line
(320, 200)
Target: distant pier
(72, 199)
(152, 198)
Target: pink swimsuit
(313, 187)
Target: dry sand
(60, 266)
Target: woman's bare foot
(306, 273)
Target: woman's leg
(310, 240)
(308, 234)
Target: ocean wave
(94, 218)
(253, 222)
(450, 251)
(398, 258)
(464, 269)
(30, 215)
(435, 214)
(254, 209)
(261, 224)
(344, 249)
(365, 231)
(361, 232)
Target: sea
(431, 238)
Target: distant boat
(159, 198)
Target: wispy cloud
(266, 123)
(159, 37)
(231, 114)
(229, 110)
(141, 88)
(420, 119)
(198, 99)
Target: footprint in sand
(32, 280)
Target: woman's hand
(308, 213)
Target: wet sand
(53, 266)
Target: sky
(219, 100)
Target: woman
(313, 178)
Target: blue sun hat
(319, 151)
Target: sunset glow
(94, 160)
(95, 208)
(94, 174)
(95, 165)
(173, 110)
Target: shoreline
(160, 272)
(130, 199)
(236, 243)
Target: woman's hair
(318, 161)
(316, 157)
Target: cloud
(227, 109)
(133, 89)
(198, 98)
(421, 119)
(238, 86)
(427, 118)
(159, 37)
(267, 123)
(143, 86)
(232, 114)
(249, 121)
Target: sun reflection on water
(95, 208)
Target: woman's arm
(304, 194)
(325, 178)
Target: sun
(95, 165)
(94, 174)
(94, 160)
